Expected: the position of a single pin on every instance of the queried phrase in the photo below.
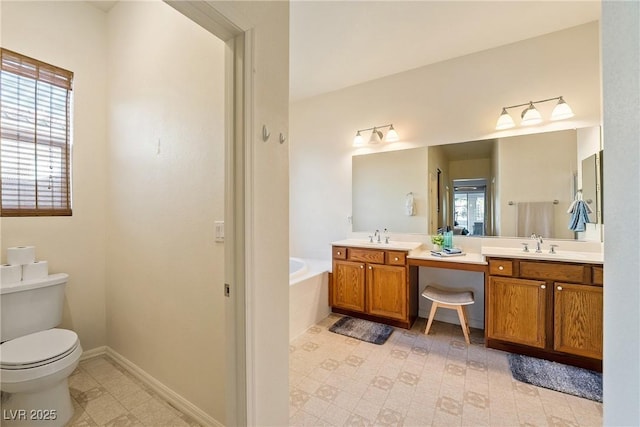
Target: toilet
(36, 358)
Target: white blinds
(35, 129)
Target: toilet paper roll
(10, 274)
(35, 270)
(20, 255)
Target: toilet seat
(37, 349)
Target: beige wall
(452, 101)
(165, 308)
(70, 35)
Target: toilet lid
(37, 349)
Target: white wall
(453, 101)
(70, 35)
(165, 305)
(621, 106)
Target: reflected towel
(409, 205)
(579, 216)
(534, 217)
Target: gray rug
(364, 330)
(556, 376)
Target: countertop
(391, 246)
(560, 256)
(467, 258)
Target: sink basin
(392, 245)
(565, 256)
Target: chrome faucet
(377, 233)
(539, 242)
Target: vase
(437, 248)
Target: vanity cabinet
(551, 310)
(518, 311)
(373, 284)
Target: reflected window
(469, 202)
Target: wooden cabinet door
(387, 291)
(516, 311)
(348, 285)
(578, 319)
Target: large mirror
(508, 187)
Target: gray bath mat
(556, 376)
(364, 330)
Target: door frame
(224, 22)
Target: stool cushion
(448, 296)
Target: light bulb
(392, 135)
(530, 116)
(505, 121)
(376, 137)
(561, 111)
(358, 141)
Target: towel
(409, 205)
(579, 216)
(534, 217)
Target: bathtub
(308, 294)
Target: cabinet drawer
(396, 258)
(597, 276)
(500, 267)
(553, 271)
(339, 252)
(366, 255)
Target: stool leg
(432, 314)
(463, 323)
(466, 318)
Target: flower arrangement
(437, 239)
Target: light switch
(219, 231)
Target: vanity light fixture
(531, 115)
(376, 135)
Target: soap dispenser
(448, 238)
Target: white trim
(94, 352)
(249, 240)
(163, 391)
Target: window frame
(22, 66)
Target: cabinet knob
(339, 253)
(370, 268)
(362, 266)
(500, 268)
(543, 286)
(395, 259)
(559, 288)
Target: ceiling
(336, 44)
(339, 43)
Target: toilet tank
(31, 306)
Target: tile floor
(418, 380)
(104, 394)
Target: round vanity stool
(451, 299)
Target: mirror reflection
(508, 187)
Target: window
(35, 137)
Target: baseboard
(94, 352)
(165, 392)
